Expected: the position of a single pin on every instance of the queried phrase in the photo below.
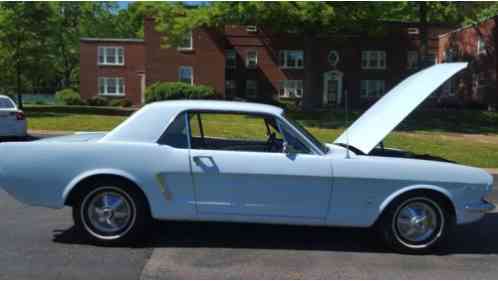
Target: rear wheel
(111, 212)
(415, 224)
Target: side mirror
(285, 147)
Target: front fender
(401, 191)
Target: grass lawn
(466, 137)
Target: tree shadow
(476, 238)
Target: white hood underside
(381, 118)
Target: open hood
(382, 117)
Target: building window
(231, 59)
(373, 60)
(111, 86)
(230, 88)
(186, 75)
(412, 60)
(431, 58)
(481, 47)
(291, 59)
(372, 88)
(252, 59)
(187, 43)
(333, 57)
(291, 89)
(251, 88)
(110, 56)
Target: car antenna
(346, 108)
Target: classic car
(12, 119)
(247, 162)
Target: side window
(176, 134)
(234, 132)
(294, 144)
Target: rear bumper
(480, 207)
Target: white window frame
(291, 89)
(191, 69)
(284, 61)
(255, 84)
(231, 55)
(190, 36)
(252, 62)
(379, 85)
(381, 59)
(102, 50)
(481, 46)
(252, 28)
(105, 81)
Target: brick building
(253, 63)
(114, 68)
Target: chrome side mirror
(285, 147)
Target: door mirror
(285, 147)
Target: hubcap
(109, 212)
(417, 221)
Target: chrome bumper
(480, 207)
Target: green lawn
(435, 133)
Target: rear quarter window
(6, 103)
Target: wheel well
(85, 184)
(430, 193)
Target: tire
(111, 212)
(416, 223)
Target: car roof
(215, 105)
(149, 123)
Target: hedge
(177, 90)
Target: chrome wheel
(418, 222)
(108, 213)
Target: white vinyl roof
(148, 124)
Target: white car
(12, 120)
(190, 160)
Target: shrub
(98, 101)
(68, 97)
(121, 103)
(177, 90)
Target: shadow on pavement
(477, 238)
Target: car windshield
(307, 134)
(6, 103)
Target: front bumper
(480, 207)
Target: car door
(244, 180)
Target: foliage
(79, 110)
(68, 97)
(177, 90)
(98, 101)
(120, 103)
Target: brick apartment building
(255, 64)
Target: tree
(24, 37)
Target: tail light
(20, 115)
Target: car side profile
(12, 119)
(247, 162)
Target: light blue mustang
(179, 161)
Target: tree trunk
(424, 39)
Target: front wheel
(111, 212)
(415, 224)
